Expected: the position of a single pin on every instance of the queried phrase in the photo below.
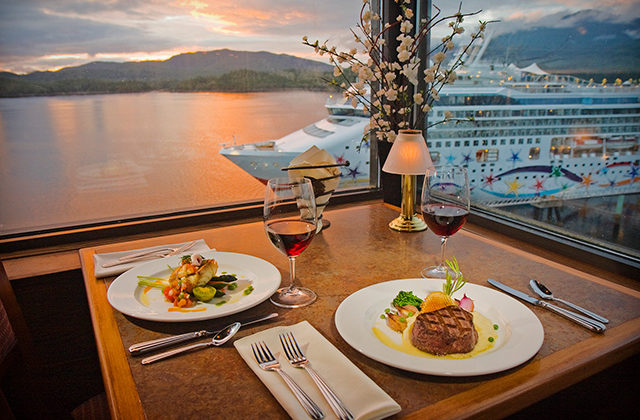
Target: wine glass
(290, 221)
(445, 207)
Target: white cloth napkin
(360, 394)
(98, 259)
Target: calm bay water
(75, 159)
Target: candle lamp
(408, 157)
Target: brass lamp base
(412, 224)
(408, 221)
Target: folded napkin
(324, 180)
(98, 259)
(360, 394)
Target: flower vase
(390, 183)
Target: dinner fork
(151, 253)
(297, 359)
(266, 361)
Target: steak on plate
(445, 331)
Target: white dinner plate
(126, 296)
(520, 333)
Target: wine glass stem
(292, 272)
(443, 246)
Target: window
(487, 155)
(561, 145)
(534, 153)
(128, 156)
(149, 147)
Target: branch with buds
(394, 98)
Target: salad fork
(266, 361)
(297, 359)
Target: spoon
(545, 293)
(219, 339)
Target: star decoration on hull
(353, 173)
(556, 171)
(489, 180)
(587, 181)
(539, 185)
(514, 186)
(515, 157)
(466, 158)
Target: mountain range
(581, 43)
(183, 66)
(584, 44)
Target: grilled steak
(447, 330)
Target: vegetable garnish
(451, 286)
(191, 282)
(407, 298)
(146, 282)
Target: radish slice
(466, 304)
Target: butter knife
(160, 343)
(588, 323)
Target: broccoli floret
(406, 298)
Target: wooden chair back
(21, 395)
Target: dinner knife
(591, 324)
(151, 345)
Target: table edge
(124, 400)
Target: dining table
(356, 251)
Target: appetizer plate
(126, 296)
(520, 333)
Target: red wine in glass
(445, 219)
(291, 236)
(445, 208)
(290, 221)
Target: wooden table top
(359, 250)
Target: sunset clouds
(49, 34)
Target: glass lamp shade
(408, 155)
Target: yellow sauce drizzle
(481, 323)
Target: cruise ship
(524, 135)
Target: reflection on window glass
(194, 106)
(555, 134)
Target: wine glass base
(296, 297)
(435, 272)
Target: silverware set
(150, 254)
(296, 357)
(594, 324)
(266, 361)
(219, 338)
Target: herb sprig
(452, 285)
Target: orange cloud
(230, 16)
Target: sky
(51, 34)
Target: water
(78, 159)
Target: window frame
(78, 236)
